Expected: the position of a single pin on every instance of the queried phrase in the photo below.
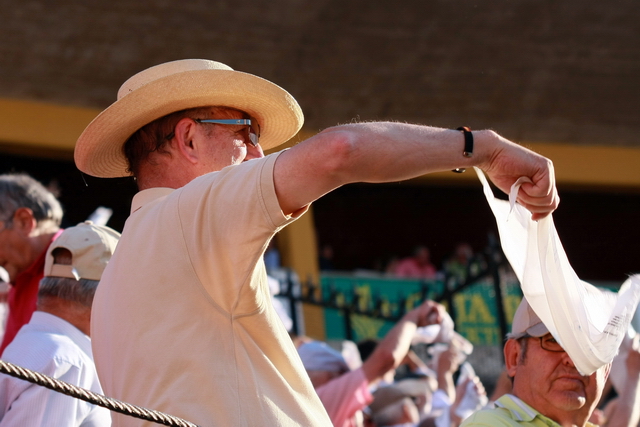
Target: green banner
(475, 307)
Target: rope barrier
(91, 397)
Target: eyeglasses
(253, 126)
(548, 342)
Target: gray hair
(18, 190)
(79, 291)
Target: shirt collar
(49, 322)
(519, 410)
(523, 412)
(149, 195)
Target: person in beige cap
(56, 340)
(547, 388)
(183, 323)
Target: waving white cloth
(589, 323)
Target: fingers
(540, 195)
(511, 162)
(539, 207)
(434, 313)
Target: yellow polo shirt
(510, 411)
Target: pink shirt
(345, 396)
(408, 267)
(23, 296)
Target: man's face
(228, 144)
(15, 252)
(548, 380)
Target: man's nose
(567, 360)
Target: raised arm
(388, 151)
(390, 352)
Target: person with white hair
(56, 340)
(30, 217)
(193, 134)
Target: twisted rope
(91, 397)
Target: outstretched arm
(390, 352)
(389, 151)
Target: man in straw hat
(547, 388)
(56, 341)
(183, 323)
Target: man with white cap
(204, 216)
(547, 388)
(56, 340)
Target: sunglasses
(253, 126)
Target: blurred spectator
(325, 258)
(272, 256)
(418, 266)
(459, 265)
(345, 393)
(455, 399)
(4, 293)
(400, 403)
(624, 410)
(30, 217)
(281, 310)
(56, 341)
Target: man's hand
(427, 313)
(510, 161)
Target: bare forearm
(390, 151)
(390, 352)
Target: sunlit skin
(22, 241)
(197, 149)
(550, 383)
(229, 144)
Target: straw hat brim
(99, 152)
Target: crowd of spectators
(371, 383)
(386, 383)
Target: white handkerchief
(588, 322)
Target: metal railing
(484, 266)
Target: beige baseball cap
(91, 247)
(526, 322)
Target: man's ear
(185, 131)
(512, 350)
(24, 221)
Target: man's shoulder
(493, 417)
(509, 410)
(54, 347)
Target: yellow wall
(26, 125)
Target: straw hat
(178, 85)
